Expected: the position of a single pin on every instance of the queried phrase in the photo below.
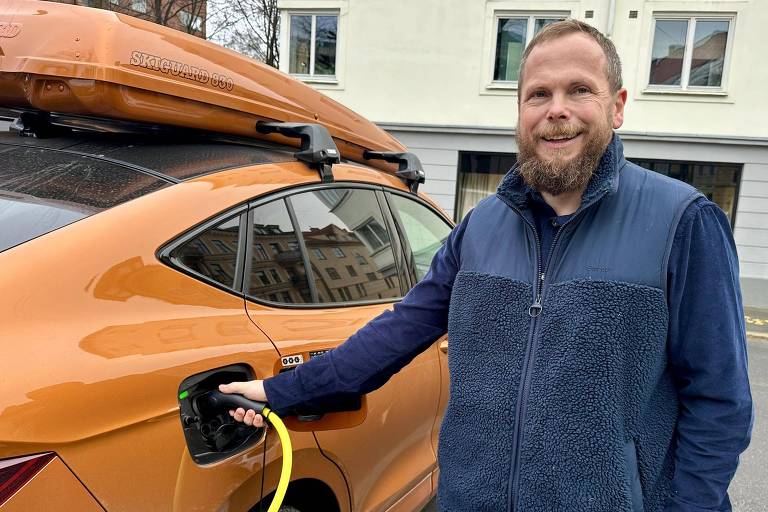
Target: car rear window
(43, 190)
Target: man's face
(567, 113)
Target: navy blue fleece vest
(574, 409)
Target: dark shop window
(479, 177)
(719, 182)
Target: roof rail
(317, 146)
(409, 170)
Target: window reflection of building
(214, 252)
(362, 253)
(277, 275)
(337, 278)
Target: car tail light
(14, 473)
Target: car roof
(48, 183)
(167, 157)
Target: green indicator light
(183, 395)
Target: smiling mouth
(561, 138)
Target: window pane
(540, 23)
(325, 45)
(479, 177)
(301, 32)
(424, 230)
(279, 272)
(510, 43)
(668, 52)
(708, 53)
(213, 254)
(348, 226)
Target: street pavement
(749, 490)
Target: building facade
(441, 76)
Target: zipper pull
(535, 309)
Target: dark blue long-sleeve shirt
(706, 349)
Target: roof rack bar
(409, 170)
(317, 146)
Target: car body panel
(403, 411)
(49, 489)
(98, 331)
(122, 328)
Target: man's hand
(253, 390)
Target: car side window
(425, 231)
(276, 270)
(348, 245)
(213, 253)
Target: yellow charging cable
(285, 472)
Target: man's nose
(558, 108)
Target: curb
(762, 336)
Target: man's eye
(539, 94)
(582, 90)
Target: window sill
(690, 92)
(328, 80)
(499, 89)
(504, 86)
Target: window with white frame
(690, 52)
(513, 33)
(312, 44)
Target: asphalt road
(749, 489)
(749, 492)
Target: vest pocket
(633, 476)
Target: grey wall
(439, 152)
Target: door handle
(444, 346)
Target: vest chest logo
(603, 270)
(9, 29)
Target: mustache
(551, 131)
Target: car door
(423, 231)
(324, 261)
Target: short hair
(559, 29)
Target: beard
(559, 174)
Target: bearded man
(597, 348)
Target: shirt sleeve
(382, 347)
(708, 357)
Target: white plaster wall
(429, 62)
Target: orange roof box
(76, 60)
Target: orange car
(175, 216)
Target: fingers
(248, 417)
(232, 387)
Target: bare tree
(251, 27)
(190, 15)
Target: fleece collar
(514, 191)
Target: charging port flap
(211, 434)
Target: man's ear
(618, 105)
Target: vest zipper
(534, 311)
